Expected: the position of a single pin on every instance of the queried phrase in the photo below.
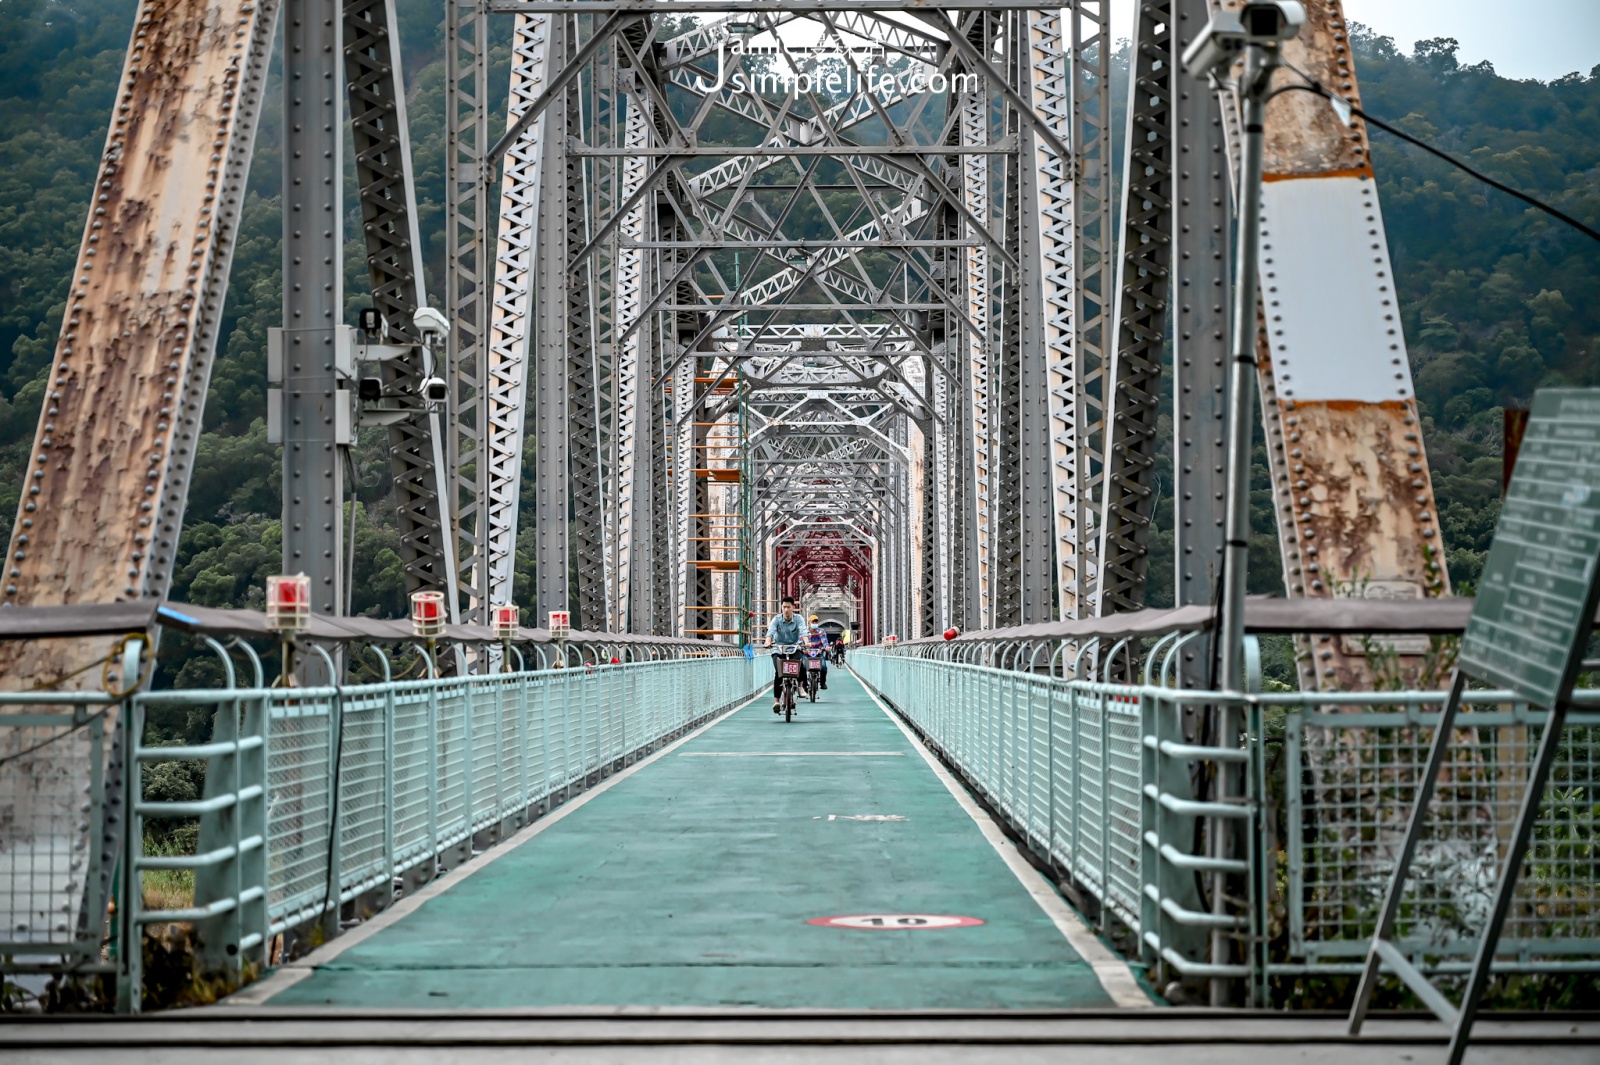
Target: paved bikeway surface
(691, 883)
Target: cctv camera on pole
(1255, 32)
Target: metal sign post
(1531, 622)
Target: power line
(1313, 86)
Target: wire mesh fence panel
(1089, 755)
(1123, 733)
(617, 708)
(512, 716)
(593, 742)
(536, 740)
(1359, 773)
(413, 776)
(49, 866)
(1041, 766)
(486, 739)
(563, 703)
(363, 781)
(450, 760)
(298, 810)
(1064, 786)
(1002, 733)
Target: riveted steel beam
(1132, 393)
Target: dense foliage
(1498, 299)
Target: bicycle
(813, 680)
(789, 673)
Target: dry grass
(167, 889)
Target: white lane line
(286, 976)
(1113, 974)
(792, 754)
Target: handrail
(1096, 777)
(319, 796)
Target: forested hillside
(1497, 299)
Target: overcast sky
(1541, 39)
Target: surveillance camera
(1273, 22)
(430, 322)
(1226, 35)
(370, 389)
(1216, 46)
(373, 323)
(435, 390)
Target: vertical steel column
(1092, 274)
(516, 250)
(631, 410)
(1201, 220)
(1049, 86)
(1025, 303)
(662, 544)
(989, 390)
(1009, 397)
(934, 573)
(467, 269)
(583, 415)
(1132, 386)
(317, 412)
(551, 424)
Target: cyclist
(786, 629)
(817, 638)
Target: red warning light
(951, 633)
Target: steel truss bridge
(772, 297)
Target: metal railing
(1101, 781)
(319, 797)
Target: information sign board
(1536, 600)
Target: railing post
(433, 777)
(389, 819)
(1151, 820)
(499, 749)
(330, 915)
(254, 867)
(469, 711)
(1050, 768)
(524, 793)
(219, 936)
(130, 940)
(1105, 813)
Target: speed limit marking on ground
(893, 922)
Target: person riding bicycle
(785, 629)
(817, 640)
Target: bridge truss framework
(886, 263)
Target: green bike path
(693, 881)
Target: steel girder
(587, 530)
(1050, 89)
(550, 350)
(1201, 226)
(631, 374)
(1093, 273)
(316, 410)
(1351, 485)
(1132, 397)
(102, 504)
(511, 316)
(133, 360)
(468, 298)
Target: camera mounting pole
(1256, 31)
